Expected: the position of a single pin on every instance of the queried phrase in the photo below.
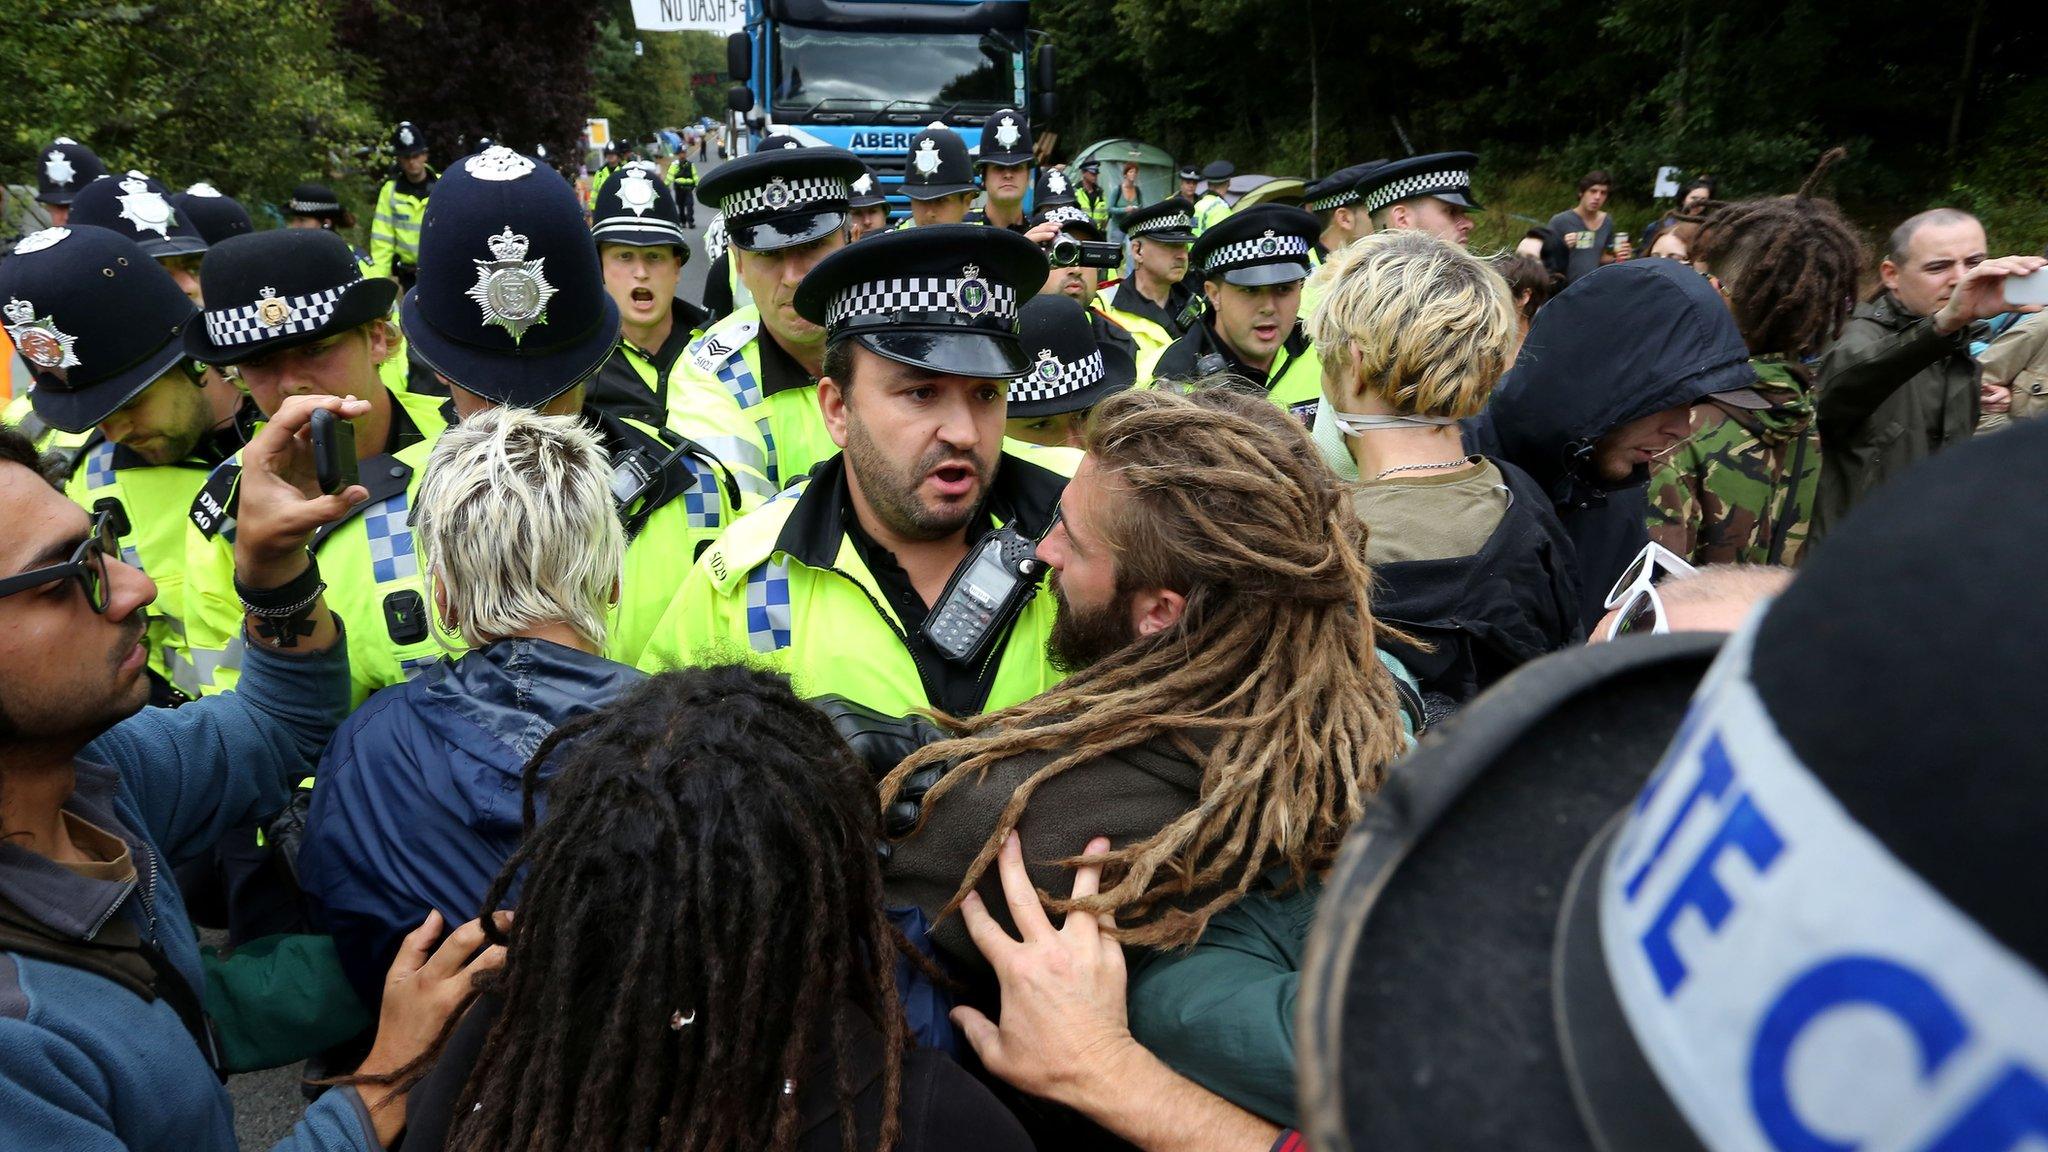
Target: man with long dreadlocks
(1741, 488)
(1225, 719)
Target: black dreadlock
(708, 859)
(1788, 263)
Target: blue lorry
(868, 75)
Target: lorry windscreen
(906, 72)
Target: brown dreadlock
(1789, 265)
(1269, 681)
(708, 851)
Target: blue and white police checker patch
(389, 528)
(99, 465)
(768, 626)
(1171, 222)
(1792, 984)
(1268, 249)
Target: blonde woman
(1466, 553)
(418, 803)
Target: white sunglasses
(1637, 590)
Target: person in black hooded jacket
(1466, 555)
(1603, 386)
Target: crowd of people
(1055, 671)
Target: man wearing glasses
(97, 323)
(104, 1036)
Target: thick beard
(1083, 637)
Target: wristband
(289, 599)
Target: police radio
(987, 591)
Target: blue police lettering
(2009, 1111)
(1746, 829)
(1715, 776)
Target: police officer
(1067, 373)
(98, 325)
(138, 206)
(1003, 163)
(723, 291)
(511, 309)
(1190, 178)
(292, 314)
(1252, 264)
(318, 206)
(1432, 192)
(1091, 195)
(867, 209)
(1210, 206)
(1152, 303)
(1338, 203)
(214, 214)
(401, 206)
(785, 210)
(642, 250)
(613, 161)
(937, 177)
(64, 167)
(682, 177)
(836, 582)
(1057, 218)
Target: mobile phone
(334, 452)
(2031, 288)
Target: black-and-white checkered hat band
(273, 316)
(780, 195)
(1423, 184)
(967, 296)
(1260, 250)
(308, 207)
(1333, 200)
(1175, 222)
(1051, 378)
(624, 224)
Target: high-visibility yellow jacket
(395, 228)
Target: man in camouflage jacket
(1740, 489)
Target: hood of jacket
(1789, 387)
(513, 694)
(1623, 342)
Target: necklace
(1458, 463)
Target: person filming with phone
(1899, 384)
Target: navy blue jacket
(1621, 343)
(418, 801)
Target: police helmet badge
(37, 241)
(1006, 132)
(971, 293)
(271, 311)
(510, 289)
(41, 342)
(57, 167)
(636, 191)
(405, 136)
(1056, 182)
(864, 185)
(776, 193)
(144, 208)
(1269, 243)
(1048, 367)
(497, 163)
(204, 190)
(927, 159)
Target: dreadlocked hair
(701, 913)
(1269, 680)
(1789, 265)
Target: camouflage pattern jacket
(1740, 489)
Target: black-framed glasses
(88, 566)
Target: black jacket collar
(780, 371)
(1022, 492)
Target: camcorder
(1067, 252)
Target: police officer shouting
(1432, 192)
(1252, 265)
(293, 315)
(1004, 165)
(98, 325)
(785, 210)
(401, 207)
(641, 246)
(843, 583)
(511, 310)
